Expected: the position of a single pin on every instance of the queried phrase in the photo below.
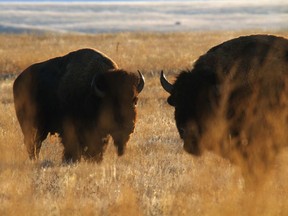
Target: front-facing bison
(84, 97)
(234, 101)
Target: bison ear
(170, 101)
(97, 85)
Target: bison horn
(141, 82)
(96, 89)
(165, 84)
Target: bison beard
(84, 97)
(234, 101)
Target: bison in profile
(84, 97)
(236, 92)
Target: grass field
(155, 176)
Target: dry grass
(155, 176)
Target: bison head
(118, 92)
(192, 96)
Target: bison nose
(132, 129)
(192, 148)
(191, 144)
(127, 129)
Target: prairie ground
(155, 176)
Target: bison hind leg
(33, 142)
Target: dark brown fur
(244, 81)
(58, 96)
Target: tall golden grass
(155, 176)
